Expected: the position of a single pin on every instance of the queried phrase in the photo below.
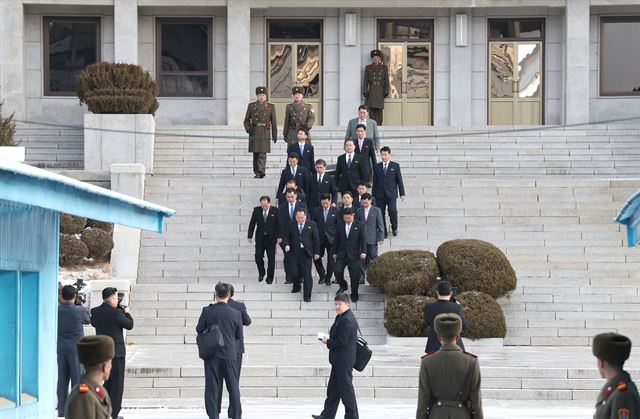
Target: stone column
(576, 63)
(12, 47)
(129, 180)
(238, 60)
(350, 69)
(125, 31)
(460, 74)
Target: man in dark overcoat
(375, 86)
(260, 124)
(298, 114)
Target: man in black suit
(223, 364)
(293, 171)
(324, 183)
(265, 220)
(350, 168)
(110, 318)
(246, 321)
(342, 357)
(347, 202)
(301, 195)
(357, 198)
(71, 317)
(349, 249)
(364, 147)
(304, 150)
(288, 219)
(445, 304)
(387, 184)
(326, 218)
(303, 243)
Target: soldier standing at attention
(449, 385)
(297, 115)
(88, 399)
(619, 397)
(259, 119)
(375, 87)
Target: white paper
(322, 335)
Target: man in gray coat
(371, 218)
(372, 127)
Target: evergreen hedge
(403, 272)
(486, 318)
(404, 316)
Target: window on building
(620, 56)
(19, 337)
(295, 29)
(405, 30)
(70, 44)
(516, 29)
(184, 64)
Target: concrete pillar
(12, 47)
(125, 31)
(350, 67)
(129, 180)
(576, 63)
(460, 73)
(238, 60)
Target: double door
(410, 93)
(295, 64)
(515, 83)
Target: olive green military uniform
(375, 87)
(449, 383)
(88, 400)
(297, 115)
(619, 397)
(260, 124)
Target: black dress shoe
(386, 235)
(395, 233)
(320, 281)
(319, 417)
(307, 300)
(260, 278)
(269, 280)
(354, 298)
(327, 282)
(340, 291)
(257, 176)
(295, 290)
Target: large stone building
(452, 63)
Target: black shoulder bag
(363, 353)
(209, 342)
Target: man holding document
(341, 343)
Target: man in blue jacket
(342, 356)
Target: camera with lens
(81, 296)
(120, 300)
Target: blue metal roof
(630, 216)
(41, 188)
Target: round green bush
(72, 250)
(403, 272)
(486, 319)
(70, 224)
(98, 242)
(107, 227)
(404, 316)
(117, 89)
(475, 265)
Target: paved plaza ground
(372, 409)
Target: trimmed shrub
(7, 129)
(117, 89)
(70, 224)
(404, 316)
(108, 227)
(486, 319)
(98, 242)
(403, 272)
(475, 265)
(72, 250)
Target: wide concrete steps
(611, 151)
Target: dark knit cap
(611, 347)
(93, 350)
(448, 325)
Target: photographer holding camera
(71, 317)
(109, 319)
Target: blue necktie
(349, 161)
(291, 211)
(300, 228)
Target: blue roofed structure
(31, 201)
(630, 216)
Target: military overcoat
(297, 115)
(260, 124)
(375, 86)
(88, 400)
(618, 399)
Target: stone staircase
(546, 198)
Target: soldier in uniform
(88, 399)
(297, 115)
(449, 385)
(375, 86)
(258, 121)
(619, 397)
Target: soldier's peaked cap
(612, 347)
(376, 52)
(448, 325)
(93, 350)
(297, 89)
(261, 89)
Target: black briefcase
(210, 342)
(363, 353)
